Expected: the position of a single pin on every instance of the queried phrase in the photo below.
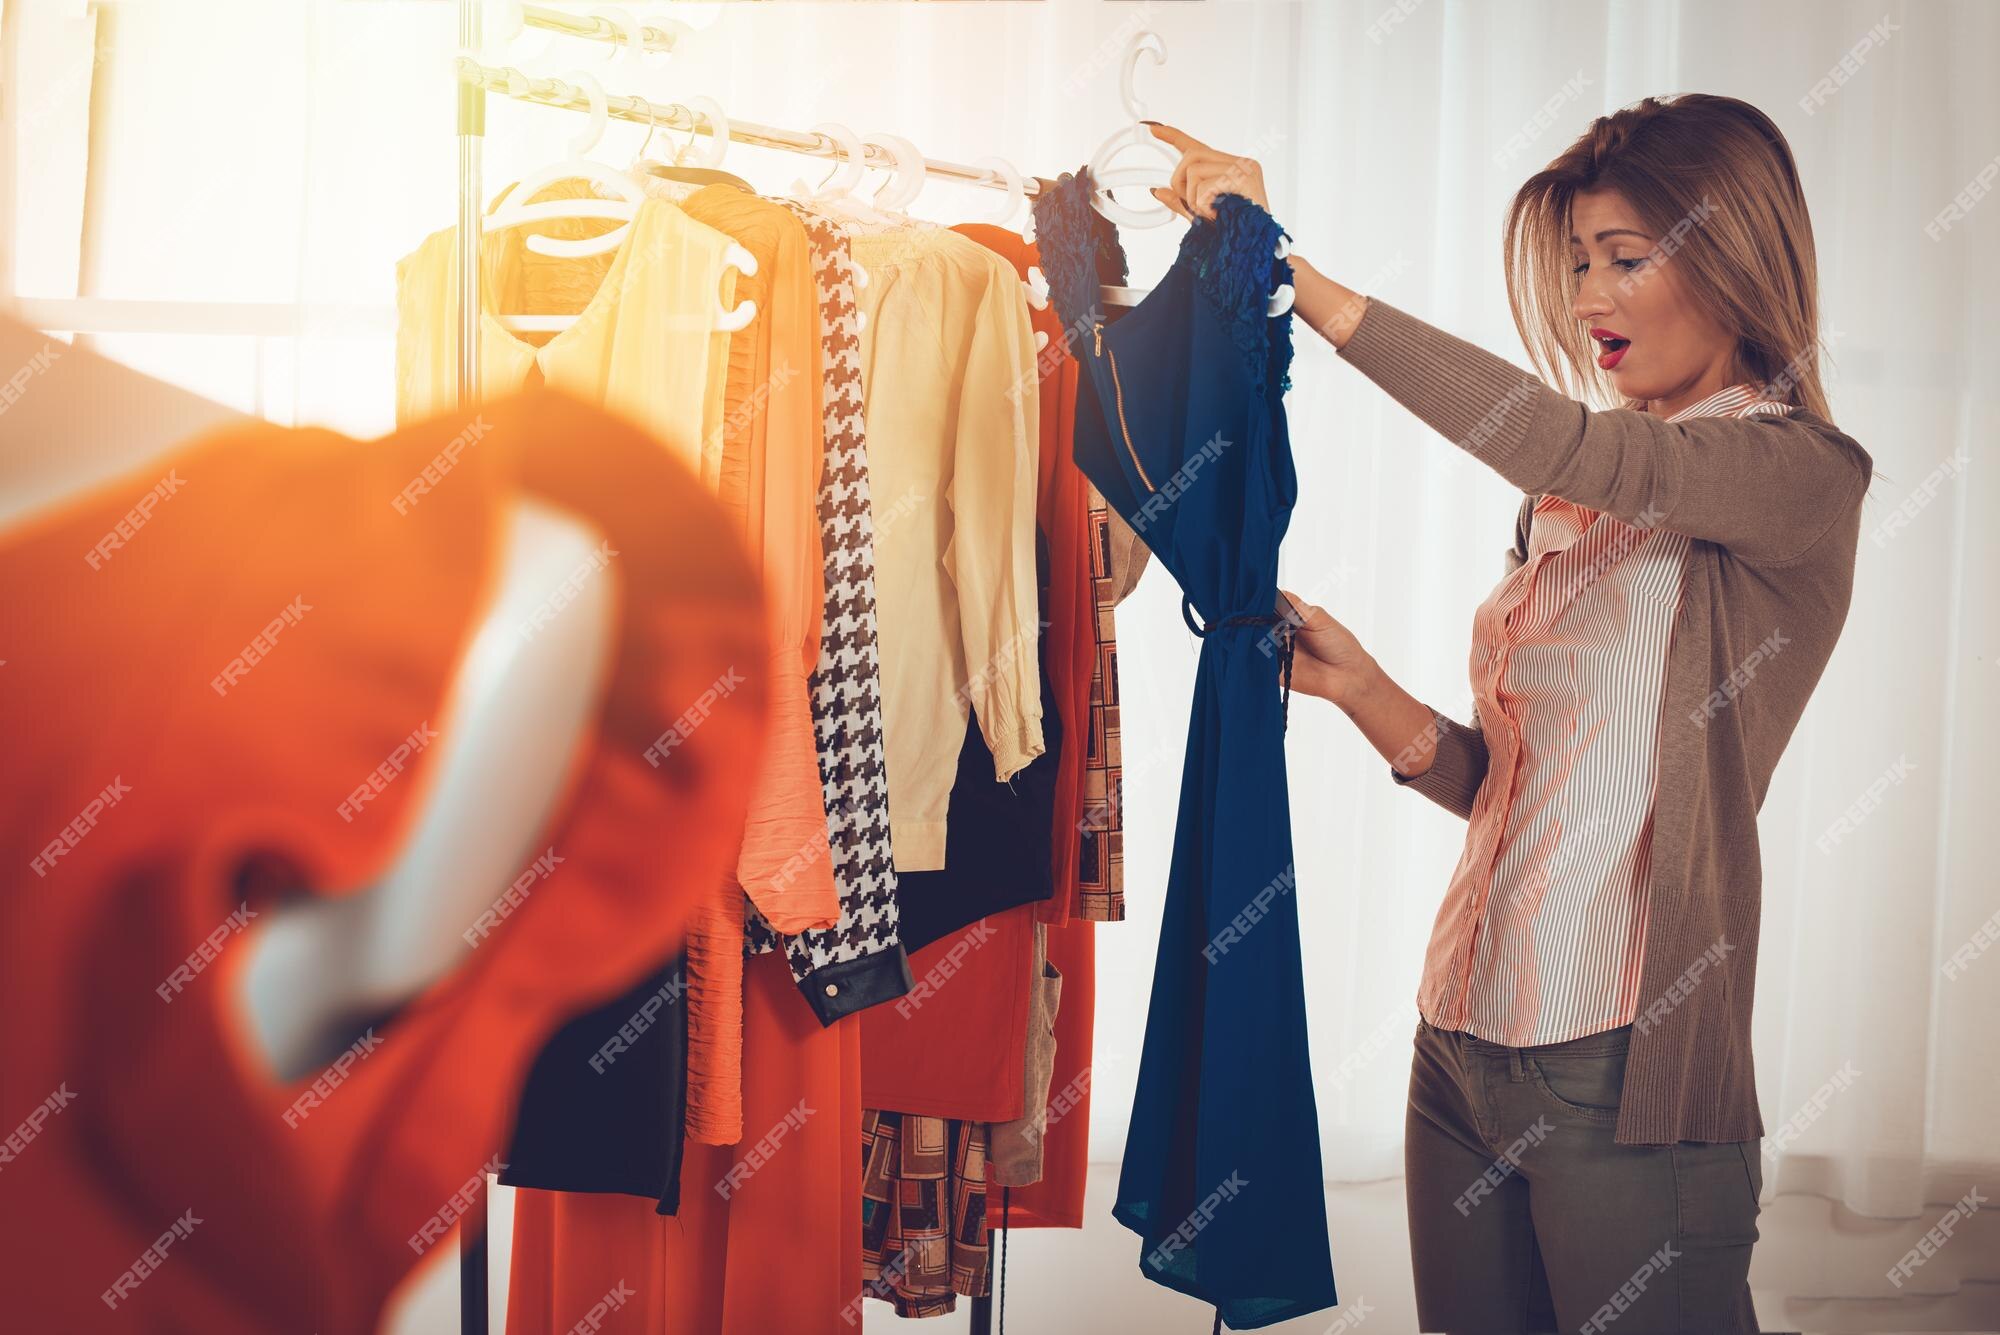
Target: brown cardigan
(1773, 505)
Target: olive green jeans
(1525, 1217)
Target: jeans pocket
(1718, 1185)
(1586, 1086)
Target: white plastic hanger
(622, 204)
(624, 207)
(848, 166)
(1131, 135)
(1034, 285)
(633, 50)
(1037, 284)
(830, 196)
(1135, 134)
(505, 24)
(718, 134)
(906, 180)
(834, 195)
(1007, 174)
(666, 176)
(837, 194)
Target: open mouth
(1613, 346)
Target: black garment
(998, 839)
(600, 1117)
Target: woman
(1581, 1137)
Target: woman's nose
(1593, 300)
(1590, 304)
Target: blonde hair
(1713, 178)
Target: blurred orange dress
(181, 807)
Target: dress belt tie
(1289, 628)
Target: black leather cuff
(854, 985)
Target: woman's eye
(1628, 265)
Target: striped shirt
(1541, 935)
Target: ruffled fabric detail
(1233, 263)
(1231, 259)
(1078, 248)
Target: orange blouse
(773, 445)
(301, 1206)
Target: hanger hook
(1008, 175)
(698, 109)
(850, 158)
(634, 36)
(652, 124)
(1145, 42)
(1133, 134)
(599, 113)
(907, 177)
(504, 20)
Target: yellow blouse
(645, 345)
(953, 423)
(657, 360)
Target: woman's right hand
(1203, 173)
(1327, 660)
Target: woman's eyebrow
(1613, 231)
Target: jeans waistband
(1590, 1045)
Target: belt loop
(1514, 1064)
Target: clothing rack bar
(593, 28)
(510, 82)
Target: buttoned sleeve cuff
(838, 990)
(1014, 742)
(1458, 766)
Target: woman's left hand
(1203, 173)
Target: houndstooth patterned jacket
(860, 960)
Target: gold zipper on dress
(1097, 332)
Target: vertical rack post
(472, 1252)
(471, 143)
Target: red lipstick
(1614, 345)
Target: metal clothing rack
(477, 80)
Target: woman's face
(1656, 345)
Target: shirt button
(832, 990)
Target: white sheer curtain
(1393, 133)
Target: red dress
(184, 725)
(758, 1243)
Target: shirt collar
(1733, 401)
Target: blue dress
(1180, 423)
